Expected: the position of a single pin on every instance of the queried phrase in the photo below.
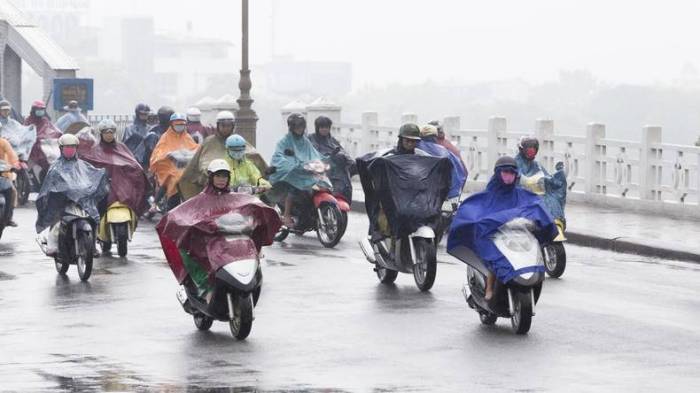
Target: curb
(627, 245)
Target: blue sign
(69, 89)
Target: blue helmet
(177, 116)
(235, 142)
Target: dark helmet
(409, 131)
(527, 142)
(322, 122)
(296, 120)
(142, 109)
(164, 113)
(505, 162)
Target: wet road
(613, 323)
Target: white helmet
(194, 111)
(68, 140)
(224, 115)
(106, 124)
(218, 165)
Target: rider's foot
(11, 223)
(489, 295)
(288, 222)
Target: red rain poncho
(44, 130)
(191, 227)
(128, 182)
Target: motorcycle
(5, 185)
(117, 226)
(322, 211)
(447, 212)
(21, 138)
(30, 177)
(554, 252)
(517, 298)
(76, 244)
(237, 282)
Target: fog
(625, 64)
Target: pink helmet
(39, 104)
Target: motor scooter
(117, 226)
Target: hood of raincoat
(45, 130)
(409, 188)
(191, 227)
(128, 182)
(290, 168)
(70, 181)
(342, 165)
(166, 171)
(194, 178)
(22, 138)
(459, 173)
(482, 214)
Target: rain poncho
(191, 228)
(198, 131)
(444, 142)
(151, 140)
(245, 173)
(128, 182)
(342, 165)
(482, 214)
(410, 188)
(45, 130)
(168, 159)
(134, 138)
(459, 173)
(194, 178)
(69, 118)
(8, 155)
(70, 181)
(535, 178)
(22, 138)
(290, 168)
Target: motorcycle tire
(202, 322)
(61, 267)
(24, 187)
(425, 269)
(488, 319)
(122, 239)
(555, 260)
(386, 276)
(281, 234)
(343, 226)
(84, 255)
(331, 234)
(521, 317)
(242, 322)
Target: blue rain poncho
(70, 181)
(552, 188)
(290, 168)
(22, 138)
(134, 138)
(69, 118)
(459, 173)
(482, 214)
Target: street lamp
(246, 119)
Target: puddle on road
(274, 262)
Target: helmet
(528, 141)
(177, 116)
(217, 166)
(194, 111)
(68, 140)
(106, 124)
(225, 116)
(39, 104)
(322, 122)
(235, 141)
(164, 113)
(142, 109)
(296, 120)
(505, 162)
(437, 125)
(5, 104)
(428, 130)
(409, 131)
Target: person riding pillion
(343, 166)
(430, 145)
(243, 171)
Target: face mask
(236, 154)
(69, 151)
(530, 153)
(507, 177)
(179, 128)
(40, 113)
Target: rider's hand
(559, 166)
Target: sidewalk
(622, 231)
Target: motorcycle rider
(167, 158)
(8, 155)
(343, 167)
(44, 130)
(5, 112)
(430, 145)
(154, 134)
(444, 142)
(73, 115)
(135, 134)
(243, 171)
(552, 188)
(195, 128)
(291, 153)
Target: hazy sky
(462, 40)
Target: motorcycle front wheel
(329, 232)
(242, 322)
(425, 265)
(521, 318)
(24, 187)
(84, 255)
(555, 259)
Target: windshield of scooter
(316, 167)
(50, 149)
(21, 138)
(517, 243)
(235, 224)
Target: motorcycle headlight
(243, 270)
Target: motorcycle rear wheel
(555, 259)
(487, 319)
(24, 187)
(61, 267)
(242, 322)
(386, 276)
(122, 239)
(84, 255)
(202, 322)
(425, 268)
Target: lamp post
(246, 119)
